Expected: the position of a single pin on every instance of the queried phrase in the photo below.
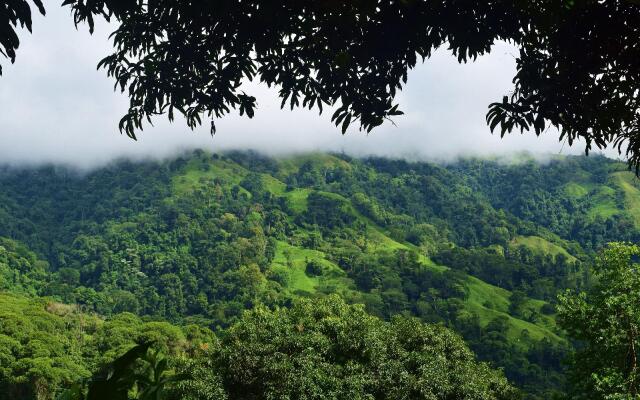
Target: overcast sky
(57, 108)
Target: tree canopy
(605, 321)
(578, 67)
(14, 13)
(327, 349)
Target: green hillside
(479, 246)
(630, 187)
(293, 263)
(542, 246)
(290, 260)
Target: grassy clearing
(576, 190)
(289, 165)
(197, 172)
(629, 185)
(484, 294)
(273, 185)
(490, 302)
(292, 261)
(604, 199)
(297, 199)
(517, 327)
(541, 246)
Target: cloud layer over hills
(57, 108)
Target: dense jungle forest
(373, 271)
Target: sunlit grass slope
(541, 246)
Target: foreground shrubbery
(606, 323)
(322, 349)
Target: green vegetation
(629, 186)
(604, 203)
(542, 246)
(45, 346)
(605, 321)
(480, 247)
(327, 349)
(291, 262)
(314, 350)
(576, 190)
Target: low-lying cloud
(57, 108)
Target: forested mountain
(480, 246)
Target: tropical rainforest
(319, 276)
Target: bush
(314, 268)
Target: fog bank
(56, 108)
